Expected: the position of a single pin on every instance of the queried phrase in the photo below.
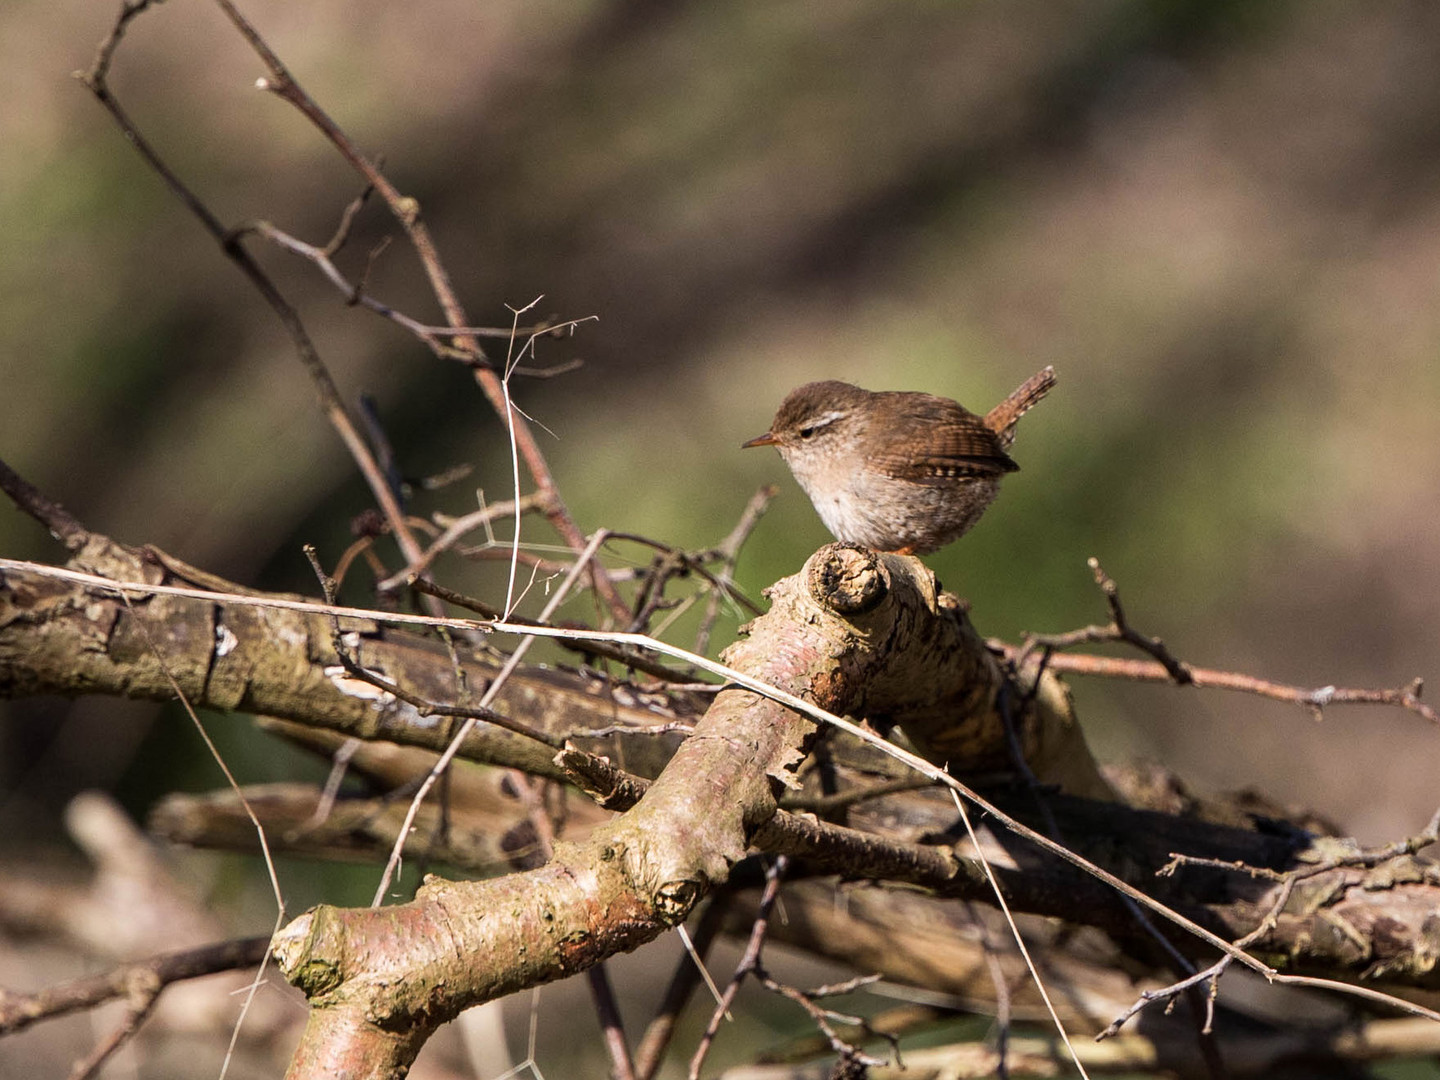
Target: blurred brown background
(1219, 221)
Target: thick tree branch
(835, 632)
(56, 639)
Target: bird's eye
(819, 423)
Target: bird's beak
(760, 440)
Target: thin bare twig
(1015, 932)
(634, 659)
(62, 524)
(729, 552)
(406, 211)
(253, 988)
(347, 220)
(825, 805)
(752, 964)
(454, 530)
(1312, 700)
(139, 1004)
(621, 1065)
(353, 666)
(1202, 1009)
(491, 691)
(675, 562)
(1167, 668)
(19, 1011)
(852, 1061)
(687, 976)
(95, 79)
(105, 51)
(1001, 985)
(1288, 880)
(1365, 857)
(339, 765)
(1118, 629)
(446, 342)
(748, 963)
(1188, 984)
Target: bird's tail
(1003, 417)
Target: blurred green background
(1219, 221)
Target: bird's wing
(938, 440)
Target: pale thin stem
(491, 691)
(1016, 935)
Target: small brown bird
(897, 471)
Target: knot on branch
(311, 969)
(848, 579)
(674, 899)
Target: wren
(897, 471)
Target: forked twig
(95, 79)
(758, 928)
(729, 552)
(491, 692)
(406, 211)
(1165, 667)
(1288, 880)
(752, 964)
(1118, 629)
(19, 1011)
(350, 661)
(1312, 700)
(689, 972)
